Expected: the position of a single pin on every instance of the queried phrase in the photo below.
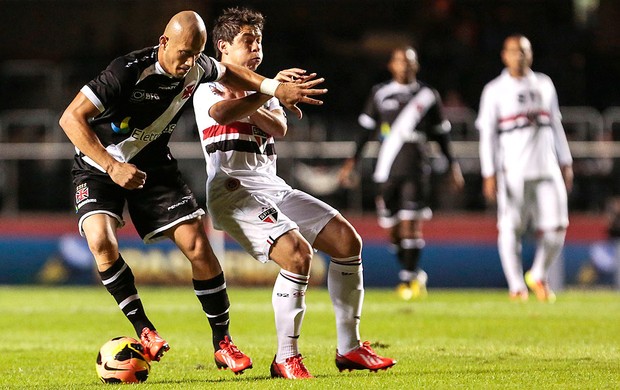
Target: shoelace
(296, 366)
(230, 348)
(366, 347)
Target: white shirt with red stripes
(521, 133)
(237, 150)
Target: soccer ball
(122, 360)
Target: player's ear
(163, 40)
(222, 46)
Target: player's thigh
(510, 207)
(255, 221)
(309, 213)
(161, 205)
(292, 252)
(99, 205)
(552, 205)
(339, 239)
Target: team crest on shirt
(189, 89)
(260, 137)
(269, 215)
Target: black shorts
(165, 200)
(403, 199)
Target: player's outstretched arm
(289, 93)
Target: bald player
(120, 123)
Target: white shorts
(543, 202)
(256, 219)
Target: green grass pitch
(468, 339)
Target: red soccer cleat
(292, 368)
(229, 356)
(154, 346)
(363, 358)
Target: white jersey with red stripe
(521, 133)
(238, 150)
(245, 197)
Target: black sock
(410, 258)
(119, 281)
(214, 299)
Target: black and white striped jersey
(139, 106)
(415, 109)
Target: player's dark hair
(229, 24)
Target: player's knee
(102, 246)
(301, 258)
(350, 242)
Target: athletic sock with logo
(120, 283)
(213, 297)
(289, 306)
(345, 283)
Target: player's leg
(210, 288)
(345, 282)
(412, 243)
(551, 221)
(387, 206)
(328, 231)
(509, 223)
(293, 254)
(100, 206)
(410, 208)
(116, 275)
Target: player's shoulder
(139, 59)
(381, 86)
(424, 85)
(127, 68)
(542, 77)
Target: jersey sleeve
(559, 135)
(368, 119)
(486, 124)
(206, 95)
(108, 86)
(214, 70)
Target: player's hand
(294, 75)
(127, 176)
(292, 93)
(567, 175)
(346, 178)
(489, 189)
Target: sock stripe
(210, 290)
(353, 260)
(295, 278)
(412, 243)
(216, 315)
(115, 276)
(128, 300)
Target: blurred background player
(121, 123)
(272, 221)
(404, 114)
(526, 166)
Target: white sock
(345, 282)
(509, 246)
(548, 250)
(289, 306)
